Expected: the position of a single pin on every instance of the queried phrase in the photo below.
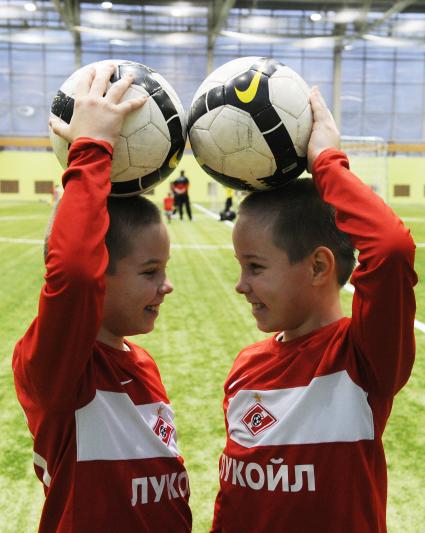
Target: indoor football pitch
(202, 326)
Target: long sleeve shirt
(104, 438)
(305, 418)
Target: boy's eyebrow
(253, 256)
(153, 261)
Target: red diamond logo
(257, 419)
(163, 429)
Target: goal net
(368, 160)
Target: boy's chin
(266, 328)
(143, 330)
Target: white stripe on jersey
(331, 408)
(42, 463)
(111, 427)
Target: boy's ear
(323, 265)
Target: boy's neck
(329, 312)
(110, 339)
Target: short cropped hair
(125, 216)
(300, 222)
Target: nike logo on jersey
(125, 382)
(235, 382)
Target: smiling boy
(305, 410)
(104, 438)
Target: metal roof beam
(398, 7)
(69, 11)
(219, 12)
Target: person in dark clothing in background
(181, 192)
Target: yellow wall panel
(31, 166)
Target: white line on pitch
(348, 287)
(21, 241)
(212, 214)
(203, 246)
(174, 246)
(20, 217)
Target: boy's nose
(166, 287)
(241, 286)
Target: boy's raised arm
(54, 352)
(383, 303)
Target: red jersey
(168, 203)
(104, 437)
(305, 418)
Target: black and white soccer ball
(250, 122)
(152, 138)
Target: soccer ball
(152, 138)
(250, 122)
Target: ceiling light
(411, 26)
(119, 42)
(392, 42)
(257, 22)
(312, 43)
(181, 9)
(25, 110)
(351, 98)
(106, 5)
(30, 6)
(315, 17)
(35, 37)
(252, 38)
(346, 16)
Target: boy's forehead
(253, 238)
(252, 235)
(248, 224)
(149, 232)
(150, 241)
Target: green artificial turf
(202, 326)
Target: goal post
(368, 160)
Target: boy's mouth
(257, 305)
(152, 308)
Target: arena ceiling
(311, 23)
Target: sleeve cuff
(84, 143)
(327, 156)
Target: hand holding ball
(152, 137)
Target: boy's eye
(255, 266)
(148, 273)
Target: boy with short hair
(305, 410)
(104, 438)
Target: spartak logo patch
(257, 419)
(163, 429)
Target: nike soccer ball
(152, 138)
(250, 122)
